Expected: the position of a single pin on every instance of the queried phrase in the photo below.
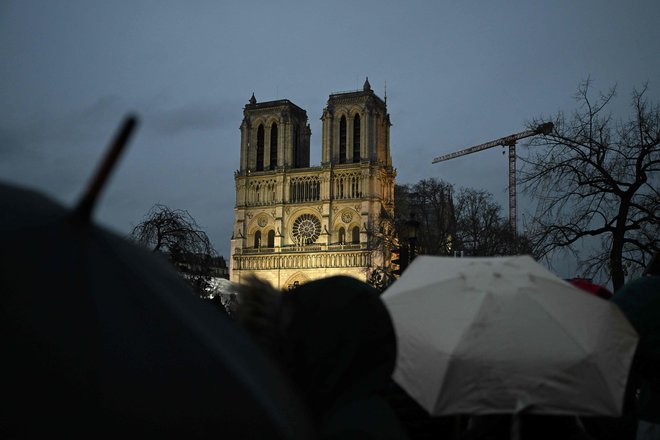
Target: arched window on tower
(260, 148)
(356, 138)
(341, 236)
(296, 134)
(273, 146)
(356, 235)
(342, 140)
(257, 239)
(271, 239)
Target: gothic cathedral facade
(294, 223)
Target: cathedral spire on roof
(366, 87)
(253, 100)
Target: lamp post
(412, 225)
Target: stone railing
(307, 248)
(322, 260)
(347, 247)
(259, 250)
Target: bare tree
(382, 239)
(431, 201)
(596, 176)
(474, 226)
(176, 234)
(468, 220)
(480, 228)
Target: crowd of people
(335, 340)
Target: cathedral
(293, 222)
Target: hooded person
(335, 339)
(639, 300)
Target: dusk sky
(457, 74)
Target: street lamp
(411, 228)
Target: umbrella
(103, 339)
(504, 335)
(591, 287)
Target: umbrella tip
(85, 206)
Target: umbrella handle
(83, 210)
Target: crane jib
(508, 141)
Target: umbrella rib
(83, 210)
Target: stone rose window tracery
(306, 229)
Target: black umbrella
(104, 339)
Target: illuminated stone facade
(294, 223)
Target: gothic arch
(357, 137)
(355, 110)
(260, 147)
(270, 120)
(296, 279)
(342, 111)
(341, 235)
(261, 221)
(256, 121)
(343, 137)
(355, 234)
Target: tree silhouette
(177, 235)
(596, 176)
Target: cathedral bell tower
(274, 135)
(356, 128)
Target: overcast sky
(458, 73)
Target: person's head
(263, 312)
(653, 268)
(334, 336)
(341, 339)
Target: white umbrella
(504, 335)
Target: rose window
(306, 229)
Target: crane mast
(507, 141)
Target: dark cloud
(197, 116)
(41, 130)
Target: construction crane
(508, 141)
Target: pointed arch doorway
(294, 281)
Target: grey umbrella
(102, 339)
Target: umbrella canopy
(504, 335)
(103, 339)
(591, 287)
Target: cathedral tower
(294, 223)
(274, 135)
(356, 128)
